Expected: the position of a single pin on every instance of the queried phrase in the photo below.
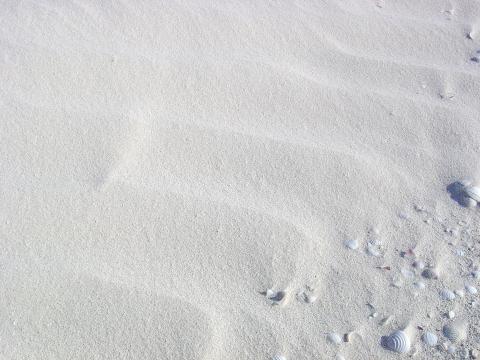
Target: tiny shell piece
(279, 357)
(430, 338)
(352, 244)
(334, 338)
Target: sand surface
(165, 163)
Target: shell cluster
(398, 342)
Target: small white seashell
(334, 338)
(456, 331)
(451, 314)
(430, 273)
(451, 349)
(279, 357)
(472, 290)
(430, 338)
(373, 250)
(352, 244)
(472, 192)
(460, 293)
(398, 342)
(446, 294)
(307, 297)
(276, 297)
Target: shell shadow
(455, 191)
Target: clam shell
(446, 294)
(472, 192)
(398, 342)
(430, 338)
(455, 331)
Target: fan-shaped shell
(398, 342)
(455, 332)
(446, 294)
(472, 192)
(430, 338)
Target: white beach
(168, 167)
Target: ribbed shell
(398, 342)
(472, 192)
(455, 332)
(430, 338)
(446, 294)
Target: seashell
(476, 274)
(472, 192)
(472, 290)
(456, 331)
(460, 293)
(430, 338)
(451, 349)
(279, 357)
(334, 338)
(339, 357)
(398, 342)
(430, 273)
(352, 244)
(276, 297)
(446, 294)
(373, 250)
(468, 201)
(451, 314)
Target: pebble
(474, 354)
(451, 314)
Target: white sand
(164, 163)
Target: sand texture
(212, 180)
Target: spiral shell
(430, 338)
(398, 342)
(455, 332)
(472, 192)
